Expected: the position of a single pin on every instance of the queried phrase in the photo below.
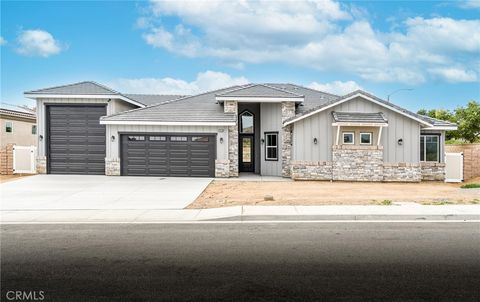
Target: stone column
(112, 166)
(41, 165)
(6, 160)
(232, 107)
(288, 111)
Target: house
(269, 129)
(19, 127)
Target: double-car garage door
(178, 155)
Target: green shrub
(471, 186)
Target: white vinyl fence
(23, 159)
(453, 167)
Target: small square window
(34, 129)
(178, 138)
(348, 138)
(203, 139)
(157, 138)
(9, 127)
(365, 138)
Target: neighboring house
(18, 127)
(269, 129)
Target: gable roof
(360, 93)
(84, 88)
(259, 90)
(201, 109)
(17, 111)
(359, 117)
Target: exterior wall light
(112, 138)
(40, 137)
(400, 141)
(221, 140)
(262, 140)
(315, 141)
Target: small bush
(470, 186)
(387, 202)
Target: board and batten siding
(320, 126)
(271, 121)
(113, 147)
(113, 106)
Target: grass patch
(387, 202)
(438, 203)
(471, 186)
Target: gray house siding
(113, 148)
(320, 126)
(271, 121)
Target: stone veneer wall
(112, 166)
(404, 172)
(311, 170)
(357, 163)
(433, 171)
(6, 160)
(288, 111)
(222, 168)
(41, 165)
(232, 107)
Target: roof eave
(83, 96)
(176, 123)
(259, 99)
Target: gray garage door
(76, 140)
(168, 155)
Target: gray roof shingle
(260, 90)
(197, 108)
(87, 87)
(359, 117)
(151, 99)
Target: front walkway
(91, 192)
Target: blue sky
(187, 47)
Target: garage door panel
(169, 155)
(76, 140)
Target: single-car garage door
(76, 140)
(168, 155)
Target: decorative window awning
(359, 119)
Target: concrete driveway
(88, 192)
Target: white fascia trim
(441, 128)
(83, 96)
(256, 99)
(152, 123)
(345, 124)
(350, 98)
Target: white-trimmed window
(9, 127)
(365, 138)
(348, 138)
(430, 148)
(271, 146)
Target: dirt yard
(234, 193)
(7, 178)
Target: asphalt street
(243, 262)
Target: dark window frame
(423, 137)
(34, 129)
(241, 122)
(7, 130)
(267, 146)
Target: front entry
(246, 160)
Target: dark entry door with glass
(246, 155)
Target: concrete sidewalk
(247, 213)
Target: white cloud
(336, 87)
(37, 42)
(205, 81)
(467, 4)
(2, 41)
(454, 75)
(308, 33)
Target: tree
(444, 115)
(468, 121)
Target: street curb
(345, 217)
